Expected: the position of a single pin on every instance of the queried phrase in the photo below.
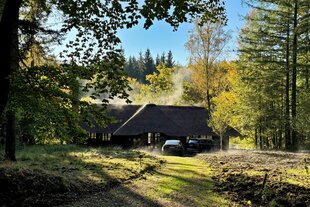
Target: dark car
(192, 145)
(174, 147)
(206, 145)
(200, 145)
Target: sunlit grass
(183, 182)
(78, 165)
(255, 173)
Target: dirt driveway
(233, 178)
(181, 181)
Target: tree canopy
(274, 71)
(93, 55)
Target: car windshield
(192, 141)
(173, 142)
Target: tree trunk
(307, 40)
(274, 140)
(10, 136)
(9, 61)
(287, 91)
(209, 101)
(280, 140)
(256, 139)
(294, 78)
(307, 78)
(221, 141)
(260, 139)
(8, 26)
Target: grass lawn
(181, 181)
(70, 175)
(42, 172)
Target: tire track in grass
(181, 181)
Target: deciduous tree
(96, 45)
(206, 44)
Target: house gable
(133, 120)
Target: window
(93, 135)
(106, 137)
(149, 138)
(157, 137)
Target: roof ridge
(135, 114)
(182, 106)
(144, 109)
(125, 105)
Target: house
(151, 125)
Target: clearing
(233, 178)
(49, 175)
(240, 176)
(182, 181)
(109, 176)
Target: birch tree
(206, 44)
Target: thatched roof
(120, 114)
(170, 120)
(150, 118)
(232, 132)
(193, 119)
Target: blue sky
(161, 38)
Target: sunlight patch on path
(181, 181)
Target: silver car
(173, 147)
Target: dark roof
(193, 119)
(232, 132)
(150, 118)
(121, 113)
(169, 120)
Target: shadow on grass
(189, 181)
(113, 193)
(56, 176)
(118, 196)
(187, 191)
(188, 187)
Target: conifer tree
(157, 60)
(169, 62)
(163, 58)
(148, 63)
(270, 54)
